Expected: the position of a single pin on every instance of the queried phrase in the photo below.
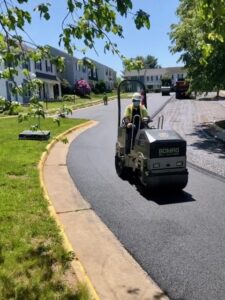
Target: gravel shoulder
(194, 121)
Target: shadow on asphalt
(207, 141)
(161, 197)
(220, 98)
(169, 197)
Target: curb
(76, 264)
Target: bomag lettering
(169, 151)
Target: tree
(202, 51)
(151, 62)
(85, 20)
(141, 62)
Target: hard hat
(136, 96)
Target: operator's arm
(126, 118)
(145, 114)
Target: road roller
(157, 157)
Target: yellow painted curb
(82, 276)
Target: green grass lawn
(78, 102)
(52, 107)
(33, 262)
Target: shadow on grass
(206, 140)
(41, 274)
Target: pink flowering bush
(82, 88)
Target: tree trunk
(217, 93)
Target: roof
(153, 72)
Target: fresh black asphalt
(179, 240)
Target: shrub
(100, 87)
(9, 107)
(82, 88)
(69, 98)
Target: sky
(154, 41)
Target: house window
(78, 67)
(38, 65)
(147, 78)
(26, 89)
(151, 78)
(156, 78)
(48, 66)
(10, 85)
(89, 72)
(26, 64)
(94, 72)
(84, 69)
(12, 96)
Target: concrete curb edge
(76, 264)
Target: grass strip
(52, 107)
(33, 262)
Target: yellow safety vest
(129, 111)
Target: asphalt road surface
(179, 240)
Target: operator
(136, 109)
(136, 115)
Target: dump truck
(181, 89)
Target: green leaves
(141, 62)
(71, 6)
(94, 19)
(64, 110)
(142, 19)
(133, 64)
(43, 9)
(200, 36)
(85, 20)
(123, 6)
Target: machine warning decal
(174, 151)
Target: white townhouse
(152, 77)
(47, 73)
(43, 70)
(75, 70)
(102, 72)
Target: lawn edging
(76, 264)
